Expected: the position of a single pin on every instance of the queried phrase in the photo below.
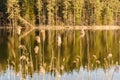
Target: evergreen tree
(78, 6)
(107, 13)
(39, 6)
(13, 11)
(70, 12)
(51, 11)
(107, 16)
(87, 12)
(118, 15)
(95, 17)
(28, 10)
(66, 6)
(114, 5)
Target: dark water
(61, 55)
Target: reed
(29, 52)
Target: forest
(60, 12)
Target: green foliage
(39, 6)
(13, 11)
(96, 12)
(66, 10)
(51, 9)
(78, 6)
(27, 11)
(12, 8)
(70, 12)
(107, 16)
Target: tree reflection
(61, 54)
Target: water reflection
(61, 55)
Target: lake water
(60, 55)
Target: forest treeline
(62, 12)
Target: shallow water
(88, 55)
(82, 74)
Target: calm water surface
(61, 55)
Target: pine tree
(107, 16)
(13, 11)
(118, 14)
(114, 5)
(51, 11)
(66, 6)
(95, 17)
(70, 12)
(39, 6)
(28, 10)
(107, 13)
(78, 6)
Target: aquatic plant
(109, 55)
(82, 33)
(37, 38)
(59, 41)
(22, 47)
(36, 49)
(19, 30)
